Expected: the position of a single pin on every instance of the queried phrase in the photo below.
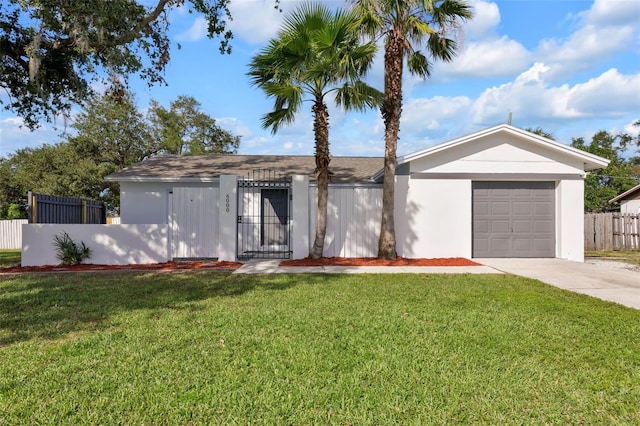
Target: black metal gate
(264, 211)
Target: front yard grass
(10, 257)
(215, 348)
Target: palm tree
(317, 53)
(406, 25)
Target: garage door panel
(499, 245)
(499, 227)
(522, 227)
(499, 208)
(482, 226)
(521, 208)
(521, 246)
(543, 208)
(545, 227)
(514, 219)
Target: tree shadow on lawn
(52, 306)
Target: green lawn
(620, 256)
(9, 257)
(215, 348)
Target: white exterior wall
(497, 154)
(433, 217)
(438, 212)
(110, 244)
(148, 202)
(353, 220)
(570, 220)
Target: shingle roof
(626, 194)
(207, 167)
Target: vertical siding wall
(11, 233)
(353, 220)
(194, 222)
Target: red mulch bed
(167, 266)
(372, 261)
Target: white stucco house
(499, 192)
(629, 201)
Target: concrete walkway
(604, 280)
(271, 267)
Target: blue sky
(571, 67)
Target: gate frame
(254, 182)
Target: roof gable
(500, 143)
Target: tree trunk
(321, 131)
(391, 110)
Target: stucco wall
(570, 220)
(433, 217)
(110, 244)
(497, 154)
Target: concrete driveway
(610, 281)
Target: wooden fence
(11, 233)
(54, 209)
(611, 231)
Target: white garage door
(513, 219)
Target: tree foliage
(50, 50)
(49, 169)
(185, 129)
(317, 53)
(406, 26)
(604, 184)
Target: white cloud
(486, 17)
(485, 53)
(198, 30)
(609, 94)
(495, 57)
(607, 12)
(531, 96)
(15, 135)
(255, 22)
(420, 115)
(235, 126)
(606, 28)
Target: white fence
(353, 220)
(11, 233)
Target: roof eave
(591, 161)
(625, 194)
(161, 179)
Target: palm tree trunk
(321, 131)
(391, 110)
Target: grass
(10, 257)
(620, 256)
(215, 348)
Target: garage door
(513, 219)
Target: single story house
(629, 201)
(499, 192)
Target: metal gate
(264, 211)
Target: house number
(227, 203)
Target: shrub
(70, 253)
